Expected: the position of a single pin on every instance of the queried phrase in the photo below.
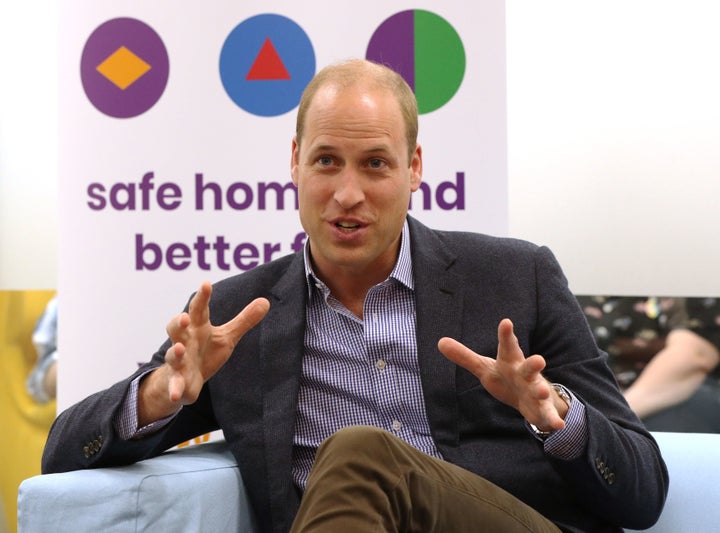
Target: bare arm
(674, 374)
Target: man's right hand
(199, 350)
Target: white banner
(176, 121)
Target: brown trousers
(366, 480)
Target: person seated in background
(664, 352)
(24, 422)
(388, 376)
(41, 383)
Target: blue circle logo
(265, 64)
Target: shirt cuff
(126, 419)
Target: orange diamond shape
(123, 68)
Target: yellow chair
(25, 423)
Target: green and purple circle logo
(265, 64)
(124, 67)
(426, 50)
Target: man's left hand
(512, 378)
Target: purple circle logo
(426, 50)
(124, 67)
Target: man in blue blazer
(388, 377)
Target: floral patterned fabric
(632, 329)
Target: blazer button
(86, 452)
(611, 478)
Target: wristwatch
(565, 396)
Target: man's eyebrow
(325, 147)
(378, 149)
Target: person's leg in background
(674, 374)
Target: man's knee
(350, 482)
(355, 441)
(358, 447)
(355, 438)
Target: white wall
(28, 145)
(614, 141)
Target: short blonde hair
(354, 71)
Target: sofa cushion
(194, 489)
(693, 461)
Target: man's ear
(294, 160)
(416, 168)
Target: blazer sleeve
(621, 476)
(84, 436)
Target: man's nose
(349, 191)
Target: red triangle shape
(268, 65)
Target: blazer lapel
(281, 345)
(439, 314)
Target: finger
(461, 355)
(176, 383)
(177, 327)
(532, 367)
(199, 309)
(540, 390)
(508, 345)
(546, 415)
(176, 386)
(174, 356)
(554, 421)
(247, 319)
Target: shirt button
(380, 364)
(396, 425)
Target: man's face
(354, 179)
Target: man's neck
(350, 287)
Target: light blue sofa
(199, 489)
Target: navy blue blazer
(465, 283)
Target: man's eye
(325, 160)
(376, 163)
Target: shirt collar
(402, 272)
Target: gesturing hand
(199, 350)
(512, 378)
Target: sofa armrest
(198, 488)
(693, 461)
